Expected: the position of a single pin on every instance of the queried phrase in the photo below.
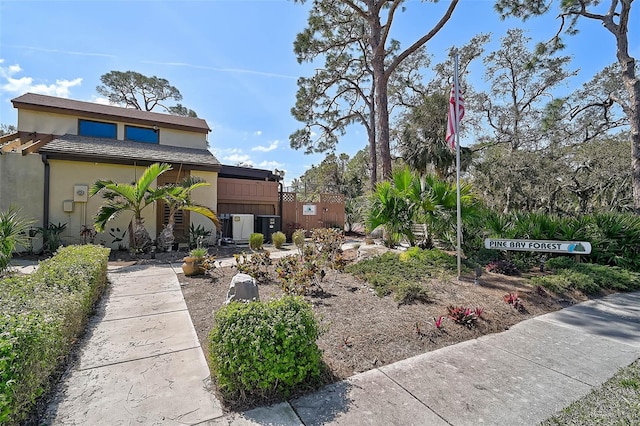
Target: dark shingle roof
(90, 109)
(82, 148)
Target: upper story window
(141, 134)
(97, 129)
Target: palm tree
(121, 197)
(391, 208)
(411, 199)
(178, 197)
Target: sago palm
(122, 197)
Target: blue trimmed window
(97, 129)
(141, 134)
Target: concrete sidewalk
(518, 377)
(141, 363)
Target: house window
(141, 134)
(97, 129)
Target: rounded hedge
(278, 238)
(264, 350)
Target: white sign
(309, 209)
(566, 247)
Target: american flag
(451, 128)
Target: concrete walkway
(142, 364)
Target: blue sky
(232, 60)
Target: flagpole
(456, 122)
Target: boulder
(367, 251)
(243, 288)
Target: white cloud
(224, 70)
(26, 84)
(222, 152)
(100, 100)
(237, 158)
(257, 133)
(271, 147)
(269, 165)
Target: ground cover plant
(41, 316)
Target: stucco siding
(206, 196)
(181, 138)
(22, 179)
(46, 122)
(66, 174)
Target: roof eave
(106, 159)
(112, 117)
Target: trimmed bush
(278, 238)
(264, 350)
(256, 240)
(41, 316)
(298, 238)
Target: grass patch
(615, 402)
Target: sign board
(308, 209)
(566, 247)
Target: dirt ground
(362, 331)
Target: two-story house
(63, 146)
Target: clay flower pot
(192, 266)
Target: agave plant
(12, 233)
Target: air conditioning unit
(241, 228)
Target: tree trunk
(380, 98)
(166, 238)
(632, 84)
(141, 238)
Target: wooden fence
(323, 211)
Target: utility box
(241, 227)
(267, 225)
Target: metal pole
(456, 89)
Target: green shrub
(410, 253)
(560, 262)
(388, 273)
(503, 267)
(410, 292)
(327, 245)
(297, 274)
(587, 277)
(278, 238)
(41, 316)
(257, 265)
(256, 240)
(568, 279)
(264, 350)
(298, 237)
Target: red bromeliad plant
(463, 316)
(513, 300)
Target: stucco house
(63, 146)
